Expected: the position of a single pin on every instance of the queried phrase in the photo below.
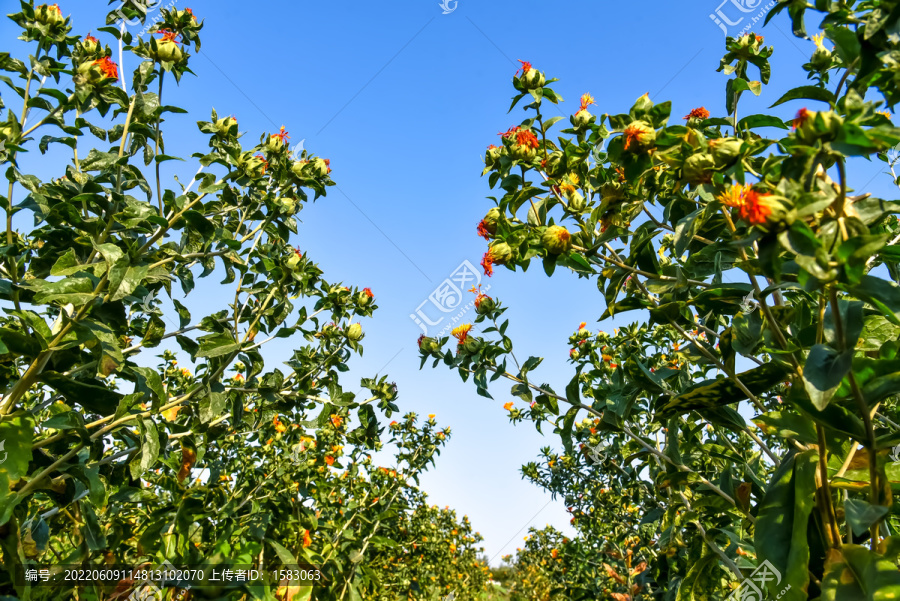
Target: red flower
(421, 338)
(800, 118)
(329, 459)
(509, 132)
(487, 263)
(698, 113)
(56, 8)
(586, 101)
(526, 67)
(109, 68)
(265, 163)
(90, 38)
(756, 207)
(368, 292)
(483, 231)
(168, 35)
(307, 540)
(462, 333)
(190, 12)
(283, 135)
(527, 138)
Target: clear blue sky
(404, 99)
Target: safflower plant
(136, 433)
(746, 419)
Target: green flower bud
(817, 125)
(500, 253)
(639, 136)
(472, 345)
(429, 346)
(492, 155)
(277, 142)
(294, 260)
(557, 240)
(49, 15)
(365, 297)
(168, 51)
(642, 104)
(698, 168)
(99, 71)
(531, 78)
(287, 204)
(484, 304)
(89, 45)
(226, 126)
(311, 169)
(555, 164)
(355, 332)
(253, 167)
(612, 191)
(492, 219)
(725, 151)
(582, 119)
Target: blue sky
(404, 99)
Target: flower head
(487, 263)
(368, 292)
(483, 231)
(527, 138)
(636, 134)
(818, 38)
(108, 67)
(307, 539)
(265, 163)
(168, 35)
(511, 131)
(90, 39)
(801, 117)
(329, 459)
(508, 406)
(733, 196)
(698, 113)
(756, 207)
(279, 427)
(431, 416)
(526, 67)
(462, 333)
(336, 421)
(283, 135)
(586, 101)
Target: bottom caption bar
(169, 576)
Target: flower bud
(555, 165)
(484, 304)
(582, 119)
(168, 51)
(90, 45)
(822, 125)
(287, 204)
(725, 150)
(254, 167)
(355, 332)
(277, 142)
(531, 78)
(294, 260)
(226, 126)
(612, 191)
(492, 155)
(491, 220)
(365, 297)
(429, 346)
(99, 71)
(639, 136)
(556, 239)
(49, 15)
(472, 345)
(698, 168)
(500, 252)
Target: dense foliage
(115, 454)
(760, 285)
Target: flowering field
(737, 439)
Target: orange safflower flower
(527, 138)
(329, 459)
(582, 325)
(239, 377)
(526, 67)
(509, 132)
(265, 163)
(90, 38)
(800, 118)
(431, 416)
(336, 421)
(733, 196)
(508, 406)
(462, 332)
(307, 539)
(483, 231)
(368, 292)
(279, 427)
(284, 136)
(759, 38)
(633, 134)
(554, 553)
(481, 298)
(698, 113)
(756, 207)
(108, 67)
(168, 35)
(487, 263)
(586, 101)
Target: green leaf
(807, 93)
(751, 121)
(881, 294)
(149, 448)
(704, 580)
(862, 515)
(856, 573)
(823, 372)
(723, 391)
(287, 558)
(780, 537)
(16, 439)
